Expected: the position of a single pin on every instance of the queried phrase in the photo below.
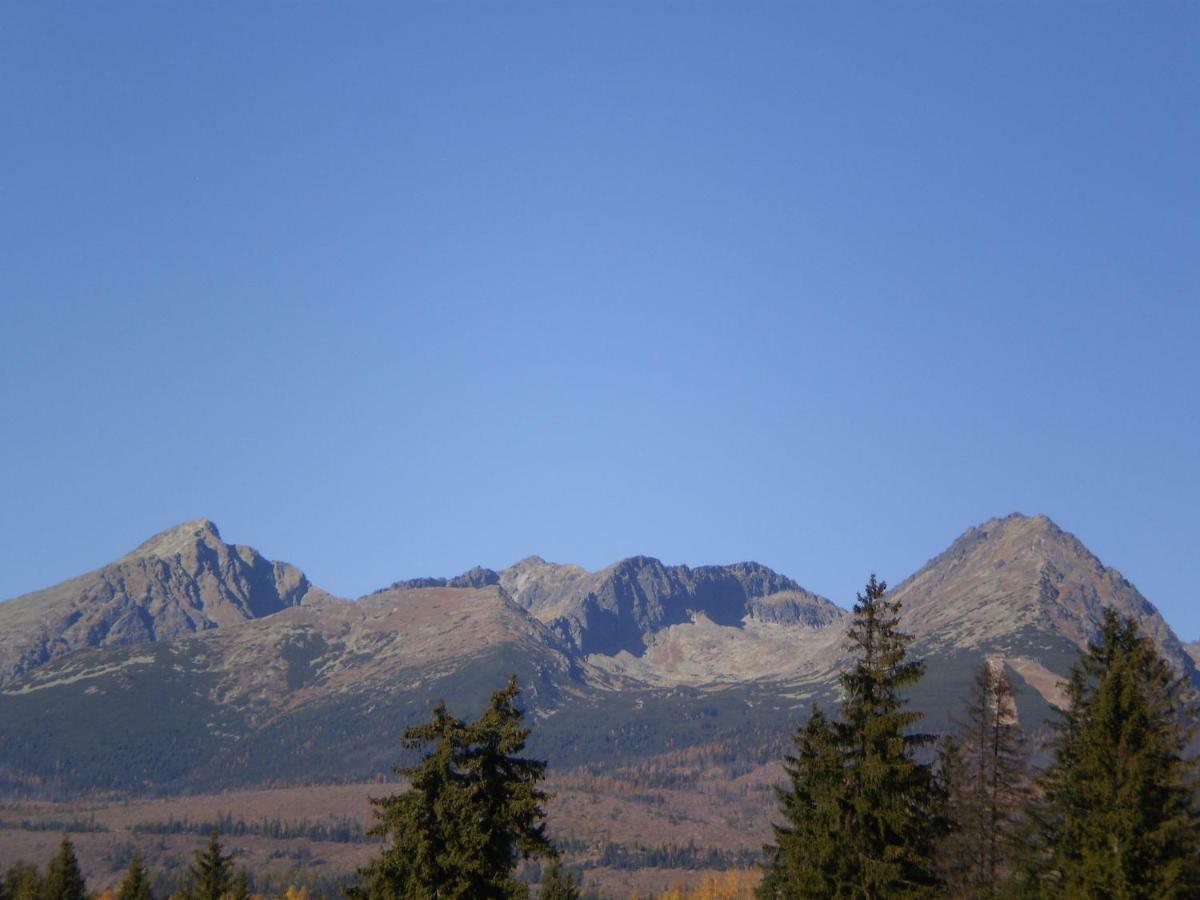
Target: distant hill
(637, 659)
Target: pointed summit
(182, 580)
(178, 539)
(1022, 575)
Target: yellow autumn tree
(735, 884)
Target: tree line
(211, 877)
(343, 830)
(871, 807)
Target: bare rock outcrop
(183, 580)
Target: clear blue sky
(394, 289)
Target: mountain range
(192, 664)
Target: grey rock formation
(474, 578)
(183, 580)
(623, 606)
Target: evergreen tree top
(211, 874)
(136, 883)
(473, 808)
(861, 814)
(874, 704)
(558, 884)
(1119, 815)
(64, 880)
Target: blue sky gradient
(392, 290)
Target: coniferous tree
(558, 883)
(862, 814)
(240, 889)
(136, 883)
(211, 874)
(64, 880)
(1119, 815)
(505, 785)
(986, 773)
(894, 816)
(22, 882)
(809, 858)
(472, 810)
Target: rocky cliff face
(184, 580)
(621, 608)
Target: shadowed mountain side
(620, 608)
(183, 580)
(1018, 588)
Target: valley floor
(631, 831)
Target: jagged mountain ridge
(638, 616)
(694, 654)
(621, 607)
(183, 580)
(187, 579)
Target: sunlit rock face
(183, 580)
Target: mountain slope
(1023, 589)
(1019, 574)
(326, 687)
(183, 580)
(618, 665)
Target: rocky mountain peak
(182, 580)
(179, 539)
(621, 607)
(541, 586)
(1022, 574)
(475, 577)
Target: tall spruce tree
(894, 817)
(211, 874)
(862, 814)
(809, 857)
(988, 784)
(1119, 816)
(64, 880)
(136, 883)
(473, 808)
